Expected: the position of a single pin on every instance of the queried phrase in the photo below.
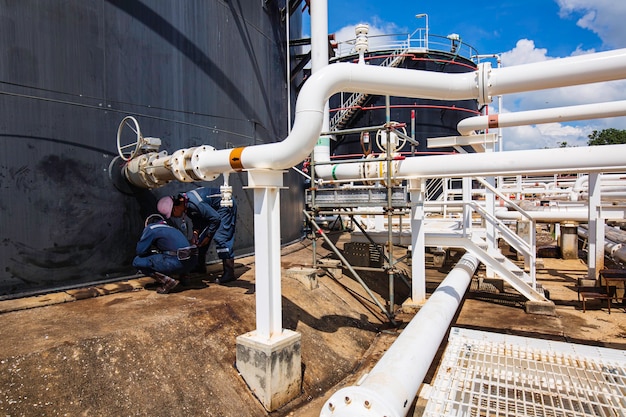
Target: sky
(520, 32)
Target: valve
(137, 144)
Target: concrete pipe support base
(271, 368)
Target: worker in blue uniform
(163, 250)
(213, 220)
(174, 210)
(202, 206)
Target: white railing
(399, 45)
(412, 42)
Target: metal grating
(488, 374)
(358, 197)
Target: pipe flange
(180, 163)
(198, 171)
(149, 168)
(137, 171)
(484, 83)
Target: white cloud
(549, 135)
(524, 52)
(603, 17)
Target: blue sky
(522, 32)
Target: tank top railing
(400, 45)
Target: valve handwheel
(125, 148)
(381, 140)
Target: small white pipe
(319, 60)
(390, 387)
(614, 249)
(608, 158)
(581, 215)
(288, 65)
(319, 34)
(558, 114)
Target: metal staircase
(503, 266)
(473, 239)
(353, 103)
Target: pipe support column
(418, 265)
(269, 358)
(595, 237)
(266, 185)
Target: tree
(607, 137)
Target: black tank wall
(433, 118)
(192, 72)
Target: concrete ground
(122, 349)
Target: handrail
(435, 43)
(532, 256)
(504, 197)
(518, 243)
(527, 249)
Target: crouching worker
(162, 251)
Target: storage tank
(191, 72)
(423, 118)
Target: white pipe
(319, 46)
(319, 60)
(576, 70)
(288, 65)
(309, 116)
(609, 158)
(319, 34)
(389, 389)
(369, 79)
(558, 114)
(612, 248)
(581, 215)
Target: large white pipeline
(390, 387)
(203, 163)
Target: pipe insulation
(205, 162)
(391, 386)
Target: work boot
(167, 282)
(159, 277)
(229, 271)
(167, 286)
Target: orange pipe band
(235, 159)
(492, 121)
